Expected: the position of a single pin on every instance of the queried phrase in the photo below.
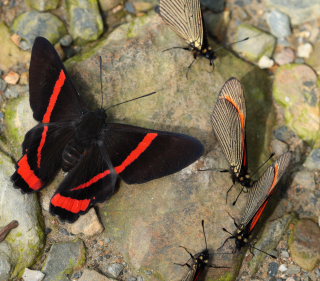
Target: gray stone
(269, 239)
(15, 91)
(66, 40)
(304, 179)
(279, 24)
(259, 44)
(85, 20)
(63, 258)
(144, 237)
(273, 269)
(293, 269)
(5, 267)
(43, 5)
(107, 5)
(115, 269)
(32, 275)
(313, 160)
(3, 84)
(215, 6)
(284, 134)
(31, 24)
(299, 11)
(27, 240)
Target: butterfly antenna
(204, 234)
(265, 162)
(235, 201)
(230, 44)
(100, 63)
(140, 97)
(273, 256)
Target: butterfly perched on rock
(94, 153)
(185, 18)
(259, 197)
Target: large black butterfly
(94, 153)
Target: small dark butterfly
(198, 263)
(94, 153)
(185, 18)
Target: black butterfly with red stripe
(259, 197)
(78, 141)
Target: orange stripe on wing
(275, 179)
(28, 174)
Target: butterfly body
(93, 152)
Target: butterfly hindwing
(162, 153)
(42, 149)
(137, 155)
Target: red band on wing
(72, 205)
(134, 155)
(258, 215)
(47, 116)
(54, 97)
(28, 174)
(42, 142)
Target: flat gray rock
(63, 258)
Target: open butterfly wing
(137, 155)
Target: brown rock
(11, 55)
(12, 78)
(304, 244)
(24, 78)
(87, 224)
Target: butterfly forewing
(228, 121)
(264, 188)
(52, 94)
(185, 18)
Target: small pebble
(132, 279)
(279, 24)
(293, 269)
(273, 269)
(290, 279)
(24, 45)
(130, 8)
(32, 275)
(304, 50)
(15, 38)
(12, 78)
(285, 254)
(285, 56)
(24, 78)
(66, 40)
(115, 269)
(265, 62)
(283, 268)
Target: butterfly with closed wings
(259, 197)
(94, 153)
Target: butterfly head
(203, 257)
(209, 54)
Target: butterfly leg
(190, 65)
(187, 252)
(184, 264)
(228, 192)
